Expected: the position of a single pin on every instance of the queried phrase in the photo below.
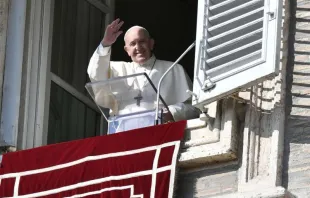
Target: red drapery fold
(137, 163)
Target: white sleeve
(184, 111)
(98, 67)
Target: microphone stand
(164, 75)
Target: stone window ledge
(212, 141)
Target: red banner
(133, 164)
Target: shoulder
(166, 64)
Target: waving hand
(112, 32)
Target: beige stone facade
(254, 144)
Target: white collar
(148, 64)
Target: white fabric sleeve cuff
(173, 111)
(183, 111)
(103, 51)
(176, 112)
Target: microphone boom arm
(164, 75)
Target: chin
(140, 60)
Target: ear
(152, 42)
(126, 50)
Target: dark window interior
(171, 23)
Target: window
(236, 45)
(77, 31)
(59, 38)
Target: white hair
(137, 27)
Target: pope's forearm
(98, 68)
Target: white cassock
(174, 85)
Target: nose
(138, 47)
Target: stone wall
(4, 10)
(296, 172)
(257, 172)
(224, 178)
(208, 181)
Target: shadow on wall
(296, 159)
(200, 182)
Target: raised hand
(112, 32)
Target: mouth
(139, 54)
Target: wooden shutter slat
(236, 40)
(243, 6)
(225, 55)
(241, 17)
(216, 6)
(232, 31)
(212, 72)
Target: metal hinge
(192, 94)
(208, 84)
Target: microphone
(163, 76)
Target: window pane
(104, 1)
(78, 30)
(69, 118)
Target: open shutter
(237, 45)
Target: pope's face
(138, 46)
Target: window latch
(271, 14)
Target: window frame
(35, 93)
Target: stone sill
(207, 143)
